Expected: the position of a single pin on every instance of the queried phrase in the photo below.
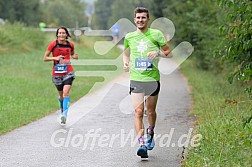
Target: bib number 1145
(143, 64)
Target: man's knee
(151, 112)
(139, 112)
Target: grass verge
(223, 113)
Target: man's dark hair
(141, 10)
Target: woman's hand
(75, 56)
(58, 58)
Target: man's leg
(151, 104)
(138, 104)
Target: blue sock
(66, 102)
(61, 103)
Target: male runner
(143, 47)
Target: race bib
(60, 68)
(143, 64)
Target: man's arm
(165, 51)
(126, 59)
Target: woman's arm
(48, 58)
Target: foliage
(199, 26)
(102, 14)
(128, 12)
(122, 13)
(25, 11)
(53, 12)
(104, 18)
(156, 7)
(63, 12)
(237, 44)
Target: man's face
(141, 20)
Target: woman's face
(62, 35)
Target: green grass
(27, 92)
(221, 110)
(17, 38)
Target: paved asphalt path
(100, 131)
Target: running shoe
(150, 141)
(142, 151)
(63, 119)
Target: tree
(237, 44)
(197, 22)
(123, 12)
(25, 11)
(102, 14)
(104, 18)
(64, 12)
(156, 7)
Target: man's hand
(126, 67)
(153, 54)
